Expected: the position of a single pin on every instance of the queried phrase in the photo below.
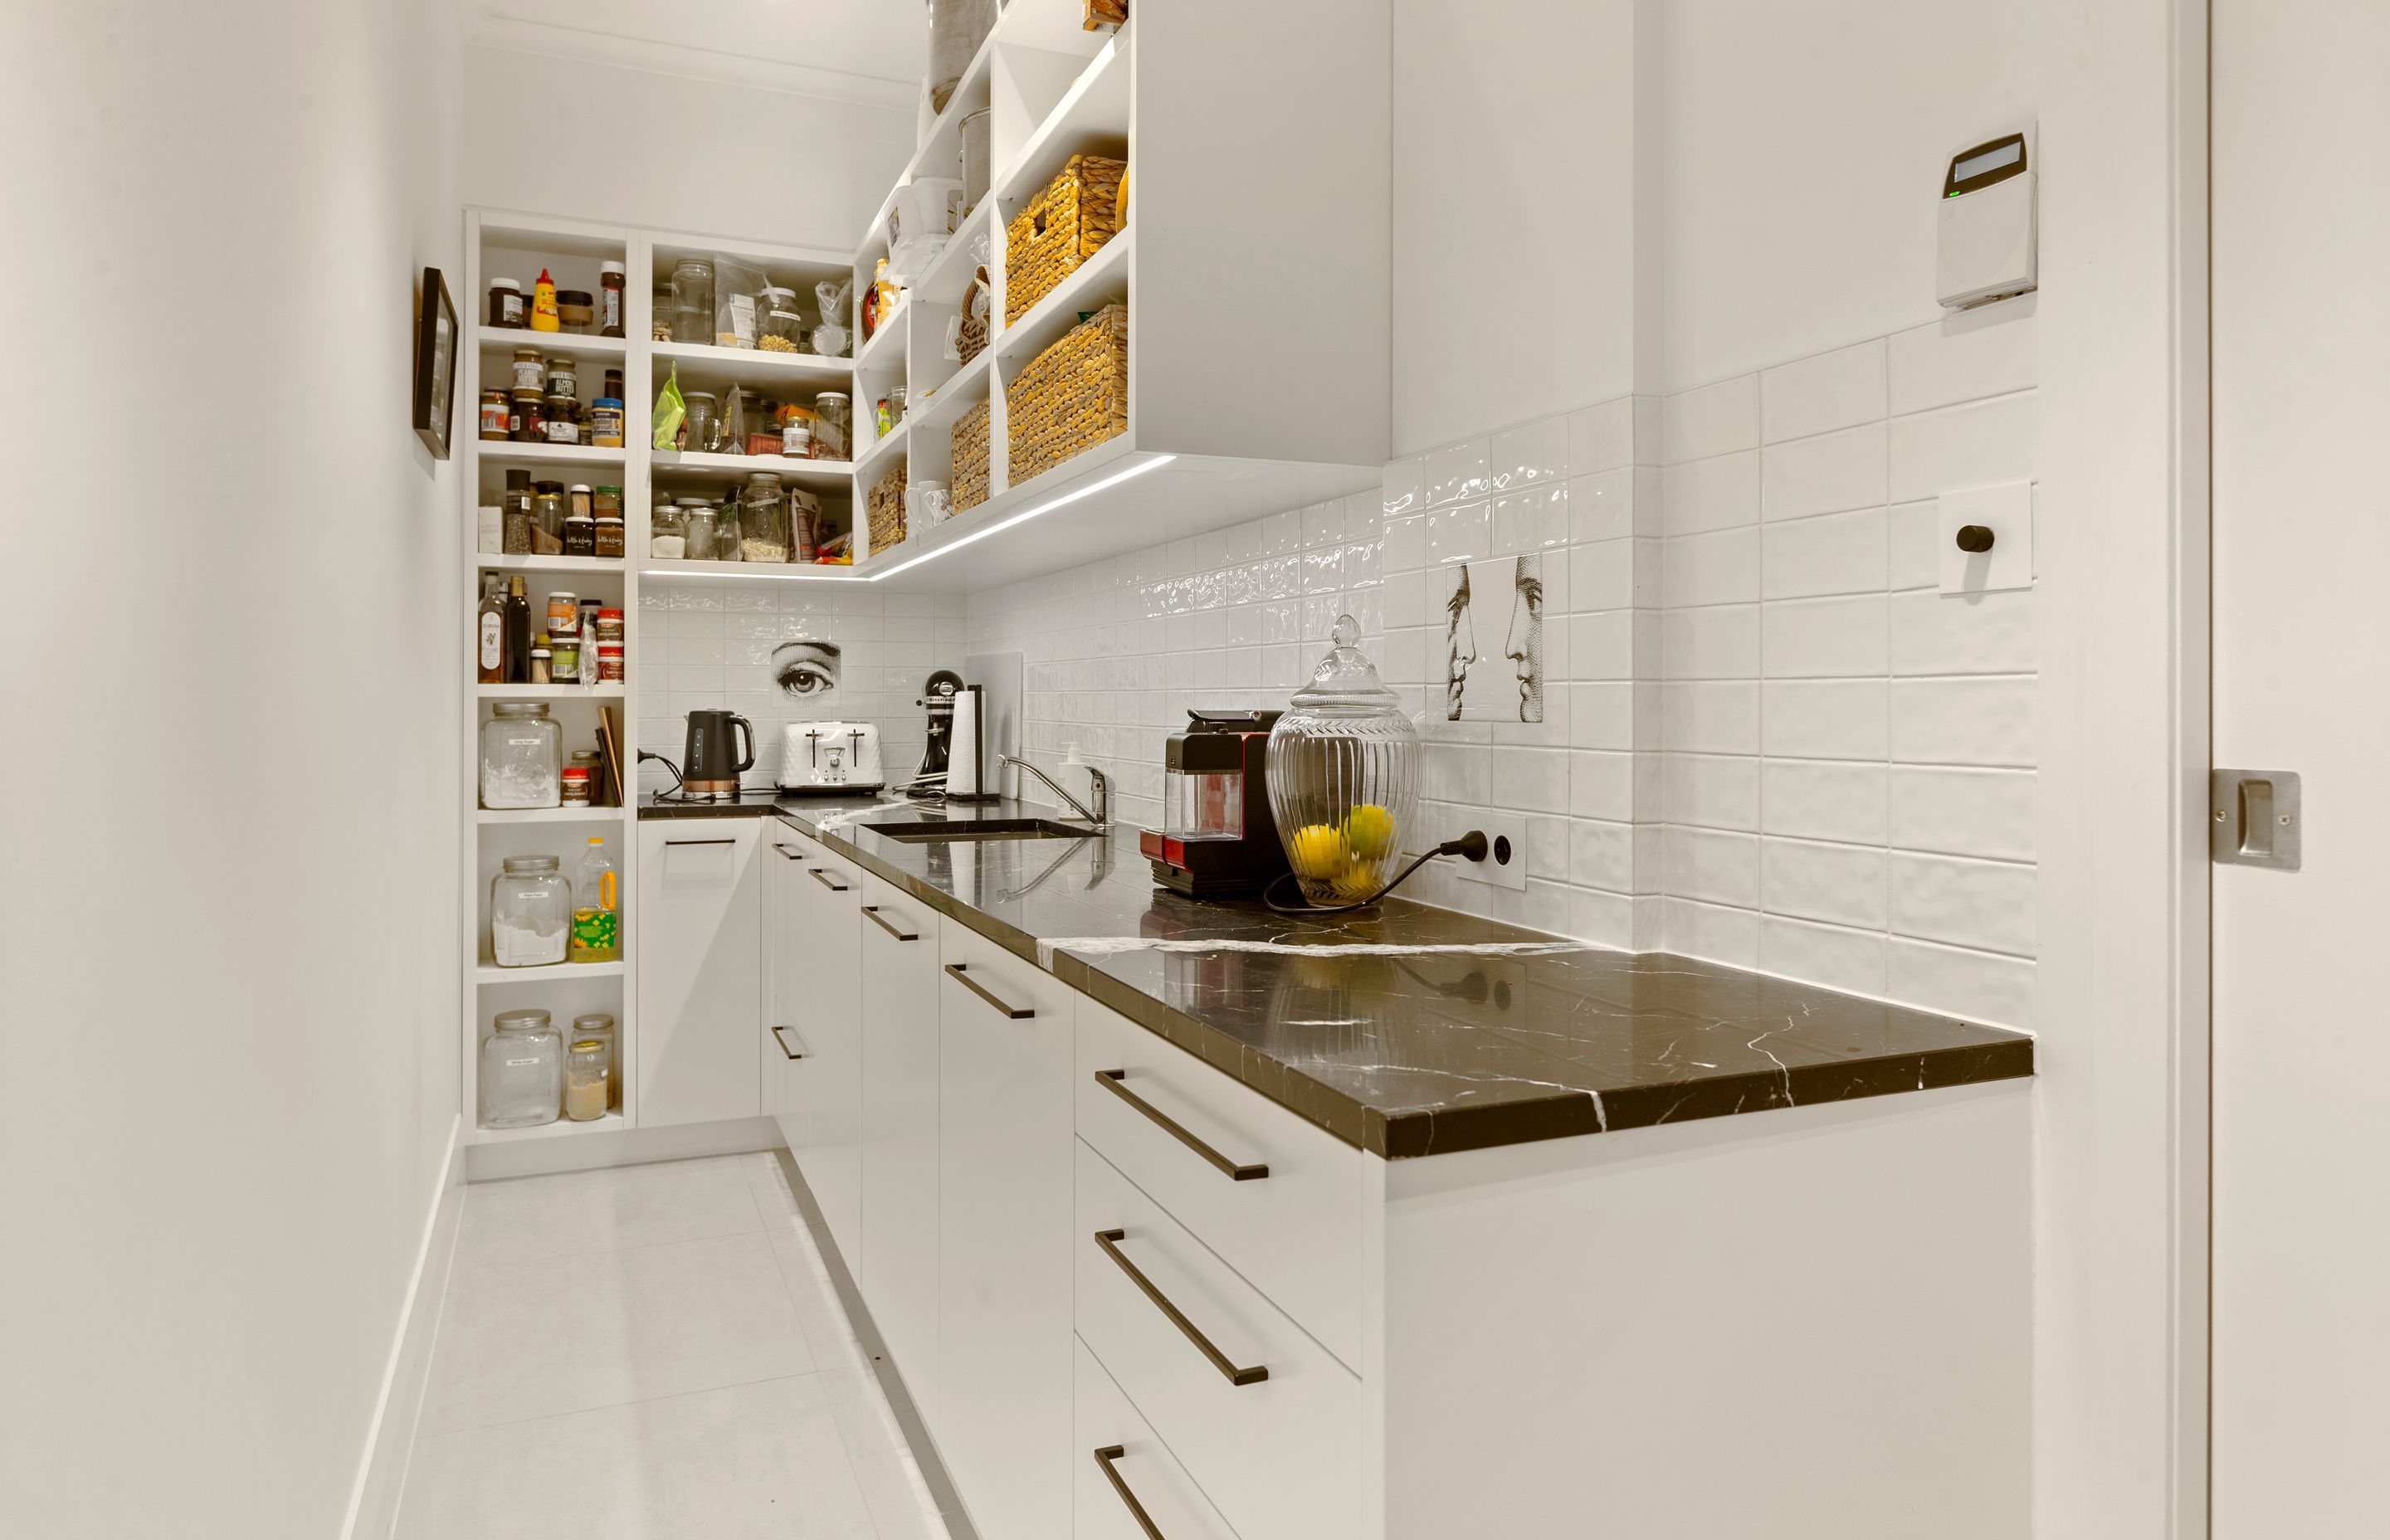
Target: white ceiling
(871, 51)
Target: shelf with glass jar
(491, 973)
(549, 815)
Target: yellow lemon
(1370, 829)
(1357, 881)
(1317, 850)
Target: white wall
(231, 646)
(667, 152)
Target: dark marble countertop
(760, 803)
(1420, 1051)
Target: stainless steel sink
(954, 830)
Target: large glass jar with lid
(530, 913)
(833, 426)
(780, 325)
(764, 520)
(522, 760)
(521, 1071)
(693, 300)
(1343, 778)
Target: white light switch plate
(2007, 511)
(1503, 831)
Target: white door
(2301, 317)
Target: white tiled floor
(653, 1351)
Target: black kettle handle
(747, 740)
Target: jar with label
(610, 625)
(610, 299)
(530, 913)
(613, 388)
(515, 515)
(542, 662)
(563, 376)
(781, 325)
(522, 758)
(609, 662)
(605, 501)
(692, 301)
(575, 783)
(832, 418)
(527, 423)
(507, 304)
(797, 439)
(587, 1077)
(577, 309)
(564, 667)
(531, 366)
(563, 612)
(579, 534)
(563, 419)
(521, 1079)
(596, 905)
(606, 423)
(666, 535)
(600, 1025)
(497, 414)
(611, 536)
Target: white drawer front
(1111, 1437)
(1280, 1456)
(1296, 1234)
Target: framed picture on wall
(435, 365)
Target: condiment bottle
(543, 304)
(518, 632)
(489, 633)
(610, 299)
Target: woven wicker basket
(969, 441)
(886, 510)
(1072, 397)
(1062, 226)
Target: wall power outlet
(1506, 863)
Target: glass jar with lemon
(1344, 779)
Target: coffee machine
(1216, 840)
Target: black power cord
(1471, 845)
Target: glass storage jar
(521, 763)
(586, 1074)
(696, 426)
(762, 520)
(547, 507)
(693, 300)
(530, 913)
(780, 324)
(1343, 778)
(523, 1071)
(697, 534)
(833, 417)
(666, 534)
(600, 1026)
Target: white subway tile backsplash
(1962, 358)
(1713, 419)
(1719, 717)
(1982, 443)
(1529, 455)
(1834, 638)
(1532, 520)
(1405, 542)
(1712, 866)
(1825, 719)
(1457, 473)
(1459, 533)
(1838, 800)
(1721, 568)
(1601, 506)
(1715, 494)
(1603, 576)
(1714, 642)
(1840, 553)
(1601, 855)
(1601, 785)
(1721, 935)
(1982, 721)
(1710, 790)
(1917, 537)
(1842, 884)
(1822, 393)
(1975, 986)
(1829, 954)
(1936, 632)
(1601, 646)
(1963, 812)
(1989, 905)
(1601, 438)
(1532, 780)
(1826, 474)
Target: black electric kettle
(709, 765)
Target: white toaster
(834, 758)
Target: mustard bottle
(543, 304)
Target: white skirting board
(628, 1147)
(372, 1501)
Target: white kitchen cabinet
(822, 961)
(1004, 1237)
(782, 859)
(1124, 1482)
(700, 973)
(898, 1273)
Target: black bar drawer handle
(873, 910)
(781, 1035)
(791, 851)
(816, 872)
(1104, 1458)
(701, 841)
(1019, 1013)
(1110, 1081)
(1109, 1240)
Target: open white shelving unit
(518, 246)
(1251, 262)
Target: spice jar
(563, 376)
(599, 1026)
(797, 439)
(507, 304)
(605, 501)
(562, 613)
(542, 662)
(610, 625)
(697, 427)
(606, 423)
(564, 667)
(832, 418)
(609, 662)
(579, 534)
(521, 1071)
(574, 785)
(521, 758)
(666, 538)
(527, 422)
(497, 414)
(514, 519)
(563, 419)
(613, 388)
(611, 537)
(530, 370)
(576, 310)
(610, 299)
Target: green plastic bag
(670, 410)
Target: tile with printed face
(1487, 618)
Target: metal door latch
(2253, 817)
